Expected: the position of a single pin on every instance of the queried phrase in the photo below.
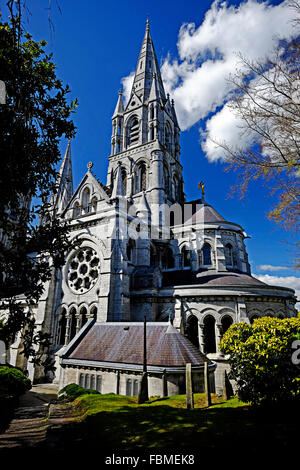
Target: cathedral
(143, 250)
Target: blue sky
(96, 44)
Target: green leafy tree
(35, 114)
(260, 357)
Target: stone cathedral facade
(145, 251)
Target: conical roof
(147, 66)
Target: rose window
(83, 270)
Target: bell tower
(145, 137)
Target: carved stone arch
(192, 326)
(72, 306)
(93, 310)
(140, 160)
(269, 312)
(253, 314)
(208, 312)
(226, 312)
(130, 117)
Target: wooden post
(189, 386)
(206, 384)
(143, 388)
(164, 383)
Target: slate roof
(204, 213)
(123, 343)
(209, 278)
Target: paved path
(29, 424)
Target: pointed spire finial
(147, 23)
(121, 92)
(90, 165)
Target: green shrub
(13, 381)
(72, 391)
(261, 359)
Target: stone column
(201, 337)
(67, 330)
(78, 322)
(218, 333)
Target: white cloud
(292, 282)
(208, 54)
(269, 267)
(127, 85)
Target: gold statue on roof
(201, 186)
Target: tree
(266, 102)
(34, 116)
(260, 357)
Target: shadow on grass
(213, 428)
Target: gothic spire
(64, 183)
(147, 65)
(120, 105)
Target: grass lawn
(118, 422)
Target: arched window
(83, 316)
(124, 180)
(151, 111)
(228, 255)
(119, 128)
(86, 200)
(99, 383)
(185, 257)
(206, 254)
(62, 324)
(226, 323)
(135, 387)
(168, 137)
(176, 191)
(93, 312)
(94, 204)
(130, 250)
(73, 324)
(143, 173)
(76, 209)
(151, 132)
(168, 259)
(209, 335)
(129, 387)
(141, 178)
(166, 180)
(192, 330)
(132, 131)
